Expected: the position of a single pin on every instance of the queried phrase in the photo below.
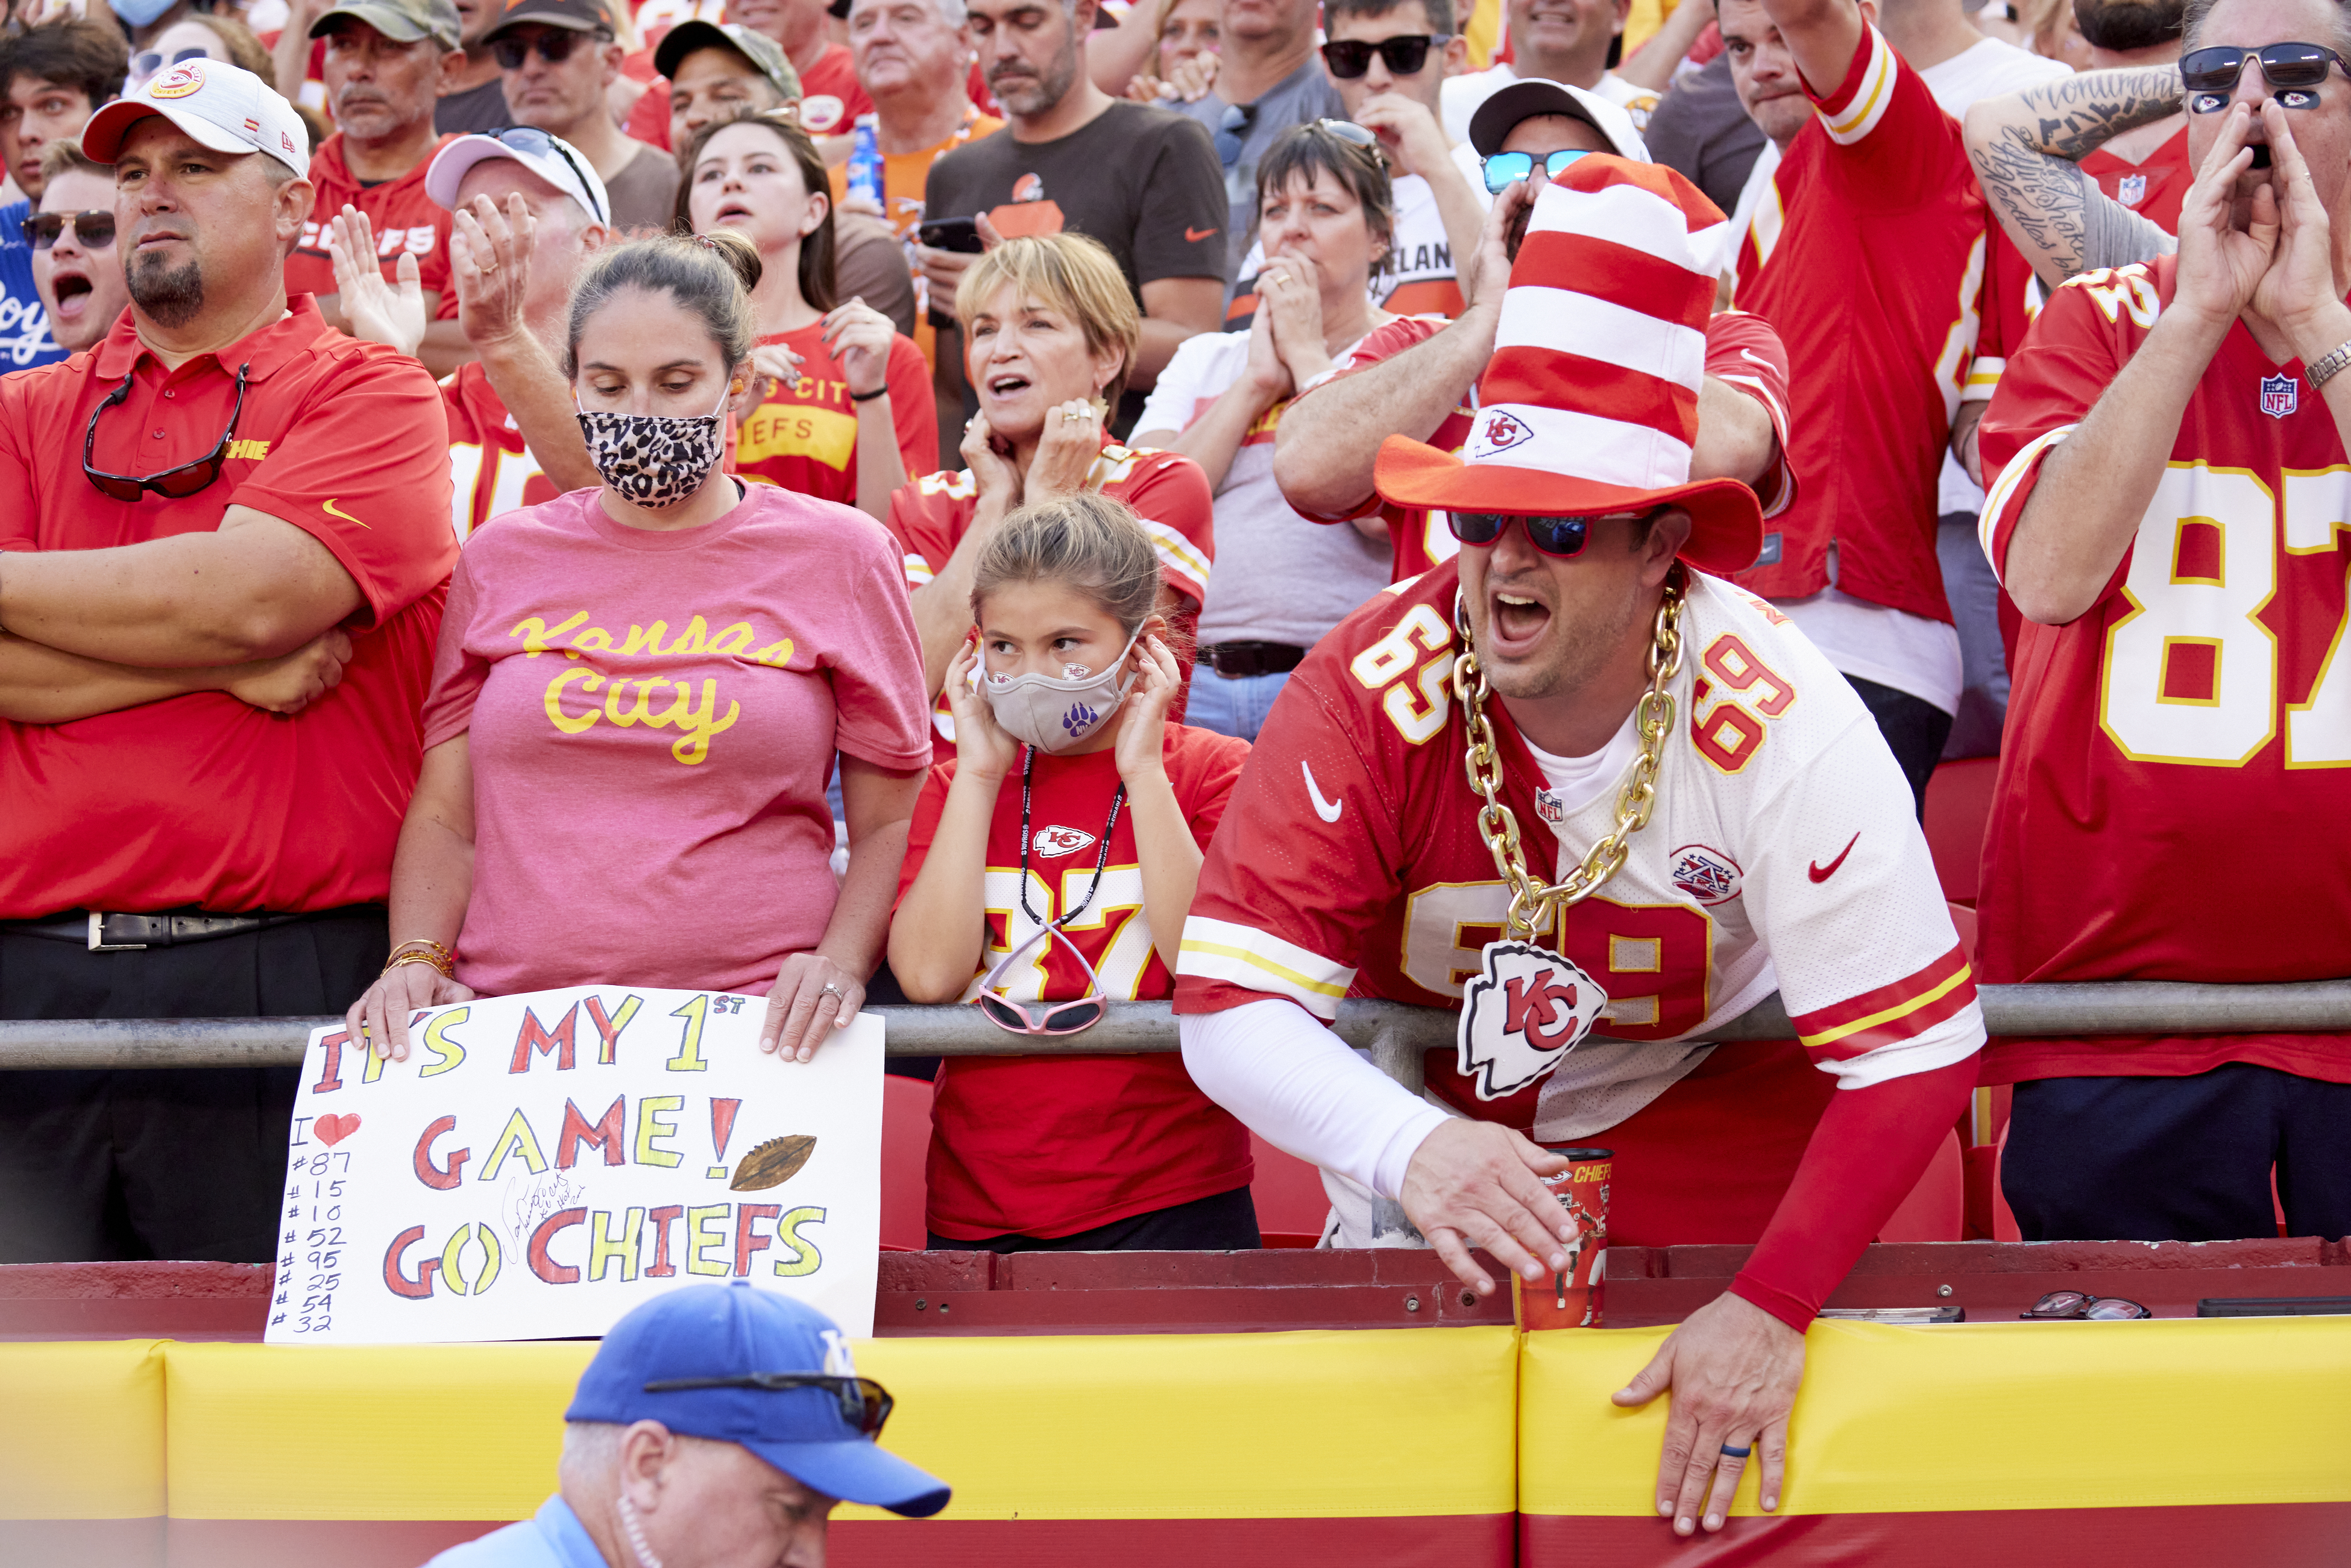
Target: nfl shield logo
(2279, 396)
(1550, 808)
(2131, 190)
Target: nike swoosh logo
(1821, 874)
(1197, 235)
(1327, 810)
(332, 510)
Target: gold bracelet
(424, 942)
(448, 971)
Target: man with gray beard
(220, 582)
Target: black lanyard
(1027, 772)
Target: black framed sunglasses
(93, 229)
(2080, 1305)
(1558, 536)
(177, 484)
(864, 1404)
(2210, 74)
(1351, 57)
(554, 46)
(147, 62)
(531, 139)
(1232, 132)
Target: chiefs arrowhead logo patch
(1521, 1015)
(1499, 430)
(1051, 841)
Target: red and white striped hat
(1590, 403)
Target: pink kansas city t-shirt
(652, 718)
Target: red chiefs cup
(1571, 1300)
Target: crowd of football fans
(973, 260)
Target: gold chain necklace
(1535, 906)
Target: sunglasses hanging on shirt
(994, 1000)
(174, 484)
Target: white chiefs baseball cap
(216, 103)
(549, 157)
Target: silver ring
(829, 990)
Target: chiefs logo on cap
(179, 82)
(1500, 432)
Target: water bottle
(865, 163)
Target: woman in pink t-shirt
(638, 697)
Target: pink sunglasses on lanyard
(1048, 1018)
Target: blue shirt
(551, 1538)
(24, 339)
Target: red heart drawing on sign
(333, 1129)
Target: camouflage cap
(402, 21)
(762, 51)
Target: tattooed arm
(2027, 146)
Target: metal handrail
(1396, 1035)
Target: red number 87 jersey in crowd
(1783, 852)
(2172, 782)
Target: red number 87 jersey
(1783, 852)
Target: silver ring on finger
(835, 992)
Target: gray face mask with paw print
(1055, 713)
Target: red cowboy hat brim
(1726, 520)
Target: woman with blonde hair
(1067, 684)
(1049, 330)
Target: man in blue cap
(719, 1424)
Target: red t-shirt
(1867, 256)
(1167, 490)
(491, 469)
(2193, 723)
(1740, 350)
(200, 799)
(803, 434)
(2155, 189)
(405, 220)
(1050, 1145)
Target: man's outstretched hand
(1734, 1370)
(1475, 1183)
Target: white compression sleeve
(1302, 1089)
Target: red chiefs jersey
(490, 468)
(1050, 1145)
(406, 221)
(1868, 255)
(1740, 350)
(2190, 732)
(1167, 490)
(1783, 852)
(2155, 189)
(802, 436)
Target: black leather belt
(103, 933)
(1236, 660)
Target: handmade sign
(542, 1163)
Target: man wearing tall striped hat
(1576, 777)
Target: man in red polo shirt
(385, 62)
(263, 513)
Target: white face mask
(1054, 715)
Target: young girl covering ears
(1049, 869)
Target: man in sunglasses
(1387, 58)
(1417, 377)
(718, 1425)
(76, 265)
(386, 60)
(558, 57)
(221, 575)
(2168, 513)
(1574, 783)
(52, 78)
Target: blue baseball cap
(726, 1363)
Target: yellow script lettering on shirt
(694, 637)
(698, 720)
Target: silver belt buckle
(98, 943)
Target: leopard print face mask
(655, 460)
